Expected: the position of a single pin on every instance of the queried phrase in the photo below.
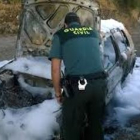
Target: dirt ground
(7, 47)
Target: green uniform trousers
(89, 103)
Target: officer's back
(79, 49)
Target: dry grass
(107, 4)
(9, 13)
(9, 17)
(135, 13)
(15, 1)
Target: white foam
(127, 98)
(107, 25)
(31, 66)
(35, 91)
(3, 63)
(32, 123)
(35, 66)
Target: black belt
(88, 77)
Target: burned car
(118, 53)
(26, 80)
(39, 20)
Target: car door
(131, 49)
(112, 66)
(124, 50)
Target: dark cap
(72, 17)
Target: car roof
(108, 25)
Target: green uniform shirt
(79, 48)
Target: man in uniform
(85, 86)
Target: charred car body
(39, 20)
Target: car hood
(40, 19)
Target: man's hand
(59, 98)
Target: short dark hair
(72, 17)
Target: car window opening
(119, 39)
(45, 11)
(59, 15)
(109, 53)
(126, 39)
(34, 30)
(86, 20)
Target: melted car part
(15, 93)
